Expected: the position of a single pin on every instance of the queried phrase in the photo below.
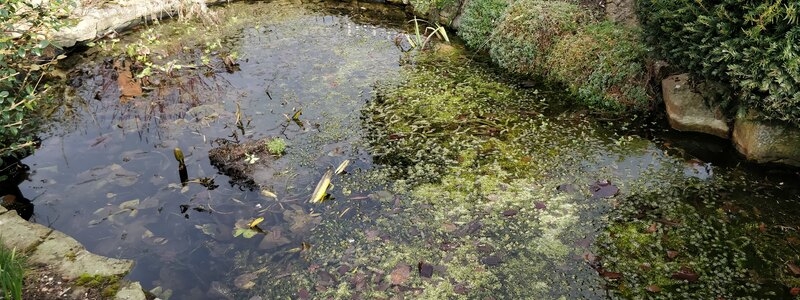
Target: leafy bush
(603, 64)
(479, 19)
(529, 30)
(22, 65)
(753, 45)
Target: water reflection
(15, 172)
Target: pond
(461, 181)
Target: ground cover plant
(750, 45)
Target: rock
(621, 11)
(70, 259)
(130, 291)
(767, 142)
(20, 234)
(687, 109)
(94, 22)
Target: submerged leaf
(686, 274)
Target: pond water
(462, 184)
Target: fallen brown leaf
(400, 274)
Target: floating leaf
(296, 115)
(603, 189)
(255, 222)
(209, 229)
(342, 166)
(244, 232)
(322, 187)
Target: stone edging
(66, 256)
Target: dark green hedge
(752, 45)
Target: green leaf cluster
(752, 45)
(23, 63)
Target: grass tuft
(11, 273)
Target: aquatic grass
(421, 38)
(11, 273)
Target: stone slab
(71, 259)
(130, 291)
(687, 110)
(765, 142)
(20, 234)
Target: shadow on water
(460, 184)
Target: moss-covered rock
(441, 11)
(529, 30)
(604, 65)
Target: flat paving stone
(71, 259)
(20, 234)
(130, 291)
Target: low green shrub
(528, 31)
(604, 65)
(752, 45)
(479, 19)
(11, 273)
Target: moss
(71, 256)
(526, 34)
(276, 146)
(98, 281)
(603, 64)
(478, 20)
